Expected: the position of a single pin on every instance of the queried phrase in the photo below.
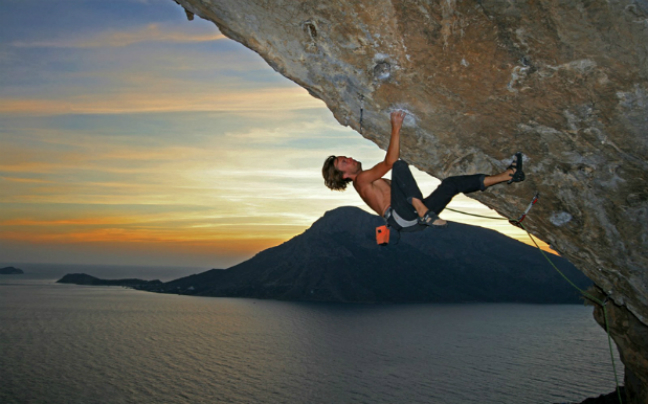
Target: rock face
(564, 81)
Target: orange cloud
(244, 234)
(274, 99)
(150, 33)
(82, 222)
(223, 243)
(25, 180)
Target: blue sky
(131, 136)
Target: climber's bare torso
(376, 194)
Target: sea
(89, 344)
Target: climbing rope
(476, 215)
(512, 221)
(603, 304)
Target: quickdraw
(521, 218)
(361, 111)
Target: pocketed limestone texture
(563, 81)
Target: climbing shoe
(430, 218)
(518, 175)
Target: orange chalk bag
(382, 235)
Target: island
(338, 260)
(85, 279)
(11, 271)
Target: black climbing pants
(404, 188)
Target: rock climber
(400, 201)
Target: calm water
(80, 344)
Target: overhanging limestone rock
(566, 82)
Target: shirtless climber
(400, 201)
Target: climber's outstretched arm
(392, 156)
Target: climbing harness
(390, 213)
(394, 221)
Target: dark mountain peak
(344, 213)
(345, 218)
(11, 271)
(78, 279)
(337, 259)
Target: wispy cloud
(113, 144)
(273, 99)
(25, 180)
(150, 33)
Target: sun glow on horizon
(150, 139)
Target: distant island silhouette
(11, 271)
(337, 260)
(84, 279)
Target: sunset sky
(129, 135)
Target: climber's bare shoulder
(375, 192)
